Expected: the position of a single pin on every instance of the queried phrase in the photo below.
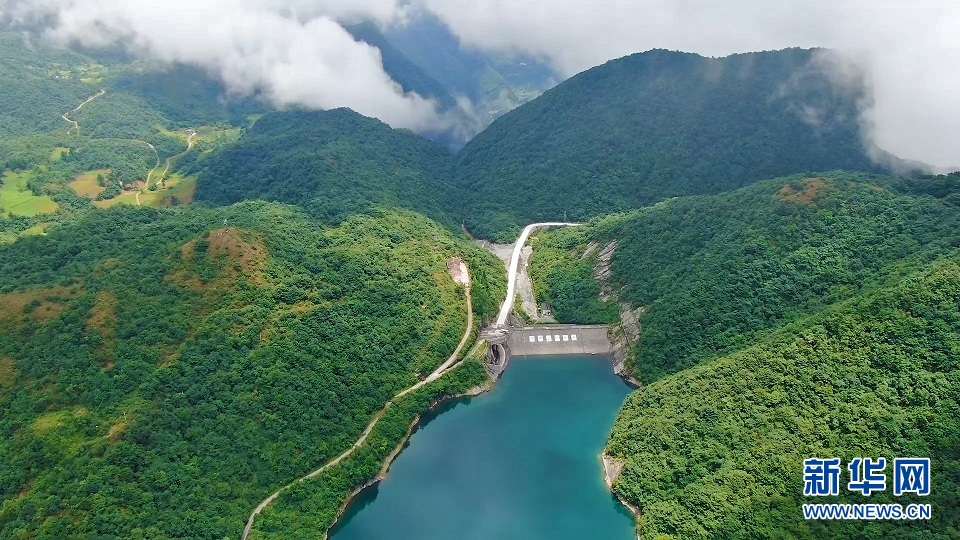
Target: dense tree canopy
(333, 163)
(162, 371)
(652, 126)
(795, 318)
(713, 271)
(717, 451)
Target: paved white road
(515, 264)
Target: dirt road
(76, 126)
(437, 373)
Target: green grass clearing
(177, 190)
(215, 133)
(181, 188)
(127, 197)
(57, 153)
(17, 199)
(39, 229)
(181, 135)
(86, 185)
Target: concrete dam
(558, 339)
(543, 340)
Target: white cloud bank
(296, 52)
(910, 51)
(292, 52)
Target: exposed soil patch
(234, 252)
(102, 320)
(458, 271)
(117, 429)
(41, 304)
(243, 249)
(86, 184)
(103, 314)
(8, 373)
(810, 191)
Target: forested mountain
(35, 91)
(161, 371)
(713, 272)
(333, 163)
(86, 128)
(43, 82)
(792, 318)
(655, 125)
(717, 451)
(495, 83)
(471, 87)
(407, 74)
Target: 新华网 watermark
(821, 478)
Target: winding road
(76, 126)
(437, 373)
(150, 173)
(171, 159)
(515, 264)
(168, 163)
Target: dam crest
(544, 340)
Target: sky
(295, 52)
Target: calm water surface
(520, 462)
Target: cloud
(295, 52)
(291, 52)
(908, 51)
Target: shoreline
(388, 461)
(629, 380)
(612, 467)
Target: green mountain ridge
(495, 83)
(718, 450)
(655, 125)
(401, 69)
(162, 371)
(794, 318)
(333, 163)
(714, 272)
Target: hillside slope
(85, 128)
(495, 83)
(652, 126)
(163, 371)
(717, 451)
(713, 273)
(794, 318)
(401, 69)
(333, 163)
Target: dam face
(557, 339)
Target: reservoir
(519, 462)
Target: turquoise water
(520, 462)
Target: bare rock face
(623, 335)
(630, 321)
(612, 467)
(591, 247)
(601, 270)
(627, 331)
